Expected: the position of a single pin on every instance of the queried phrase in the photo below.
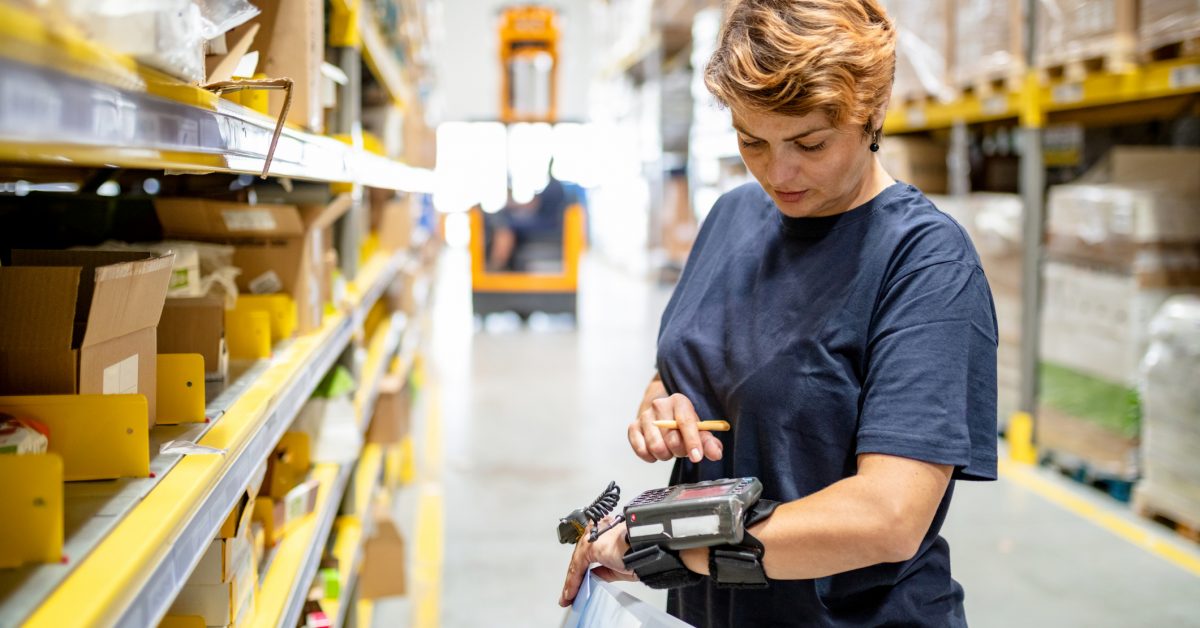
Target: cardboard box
(917, 161)
(279, 248)
(81, 322)
(220, 604)
(220, 562)
(196, 325)
(390, 424)
(1096, 320)
(384, 569)
(291, 43)
(396, 225)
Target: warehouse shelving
(348, 549)
(69, 102)
(1160, 79)
(127, 568)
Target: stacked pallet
(1116, 251)
(1170, 484)
(1168, 28)
(989, 46)
(1075, 37)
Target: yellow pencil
(705, 426)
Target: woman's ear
(880, 113)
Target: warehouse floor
(532, 425)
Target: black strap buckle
(659, 568)
(736, 568)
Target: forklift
(545, 276)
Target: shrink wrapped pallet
(1170, 485)
(924, 48)
(1165, 22)
(1115, 254)
(988, 40)
(1078, 30)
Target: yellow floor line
(427, 560)
(1025, 476)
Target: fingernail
(696, 455)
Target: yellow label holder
(180, 388)
(248, 334)
(98, 437)
(31, 498)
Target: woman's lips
(790, 197)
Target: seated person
(524, 236)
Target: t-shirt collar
(817, 226)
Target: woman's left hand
(608, 550)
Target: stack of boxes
(1115, 252)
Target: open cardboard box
(279, 248)
(81, 322)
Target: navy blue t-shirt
(871, 331)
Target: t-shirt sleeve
(930, 386)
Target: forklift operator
(841, 323)
(524, 234)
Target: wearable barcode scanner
(572, 526)
(692, 515)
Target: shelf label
(1067, 93)
(248, 220)
(995, 105)
(915, 116)
(1185, 76)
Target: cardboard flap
(127, 297)
(221, 67)
(39, 305)
(205, 219)
(321, 216)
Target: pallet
(1115, 61)
(1146, 506)
(988, 85)
(1118, 487)
(1172, 49)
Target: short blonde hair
(793, 57)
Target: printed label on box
(266, 283)
(122, 378)
(248, 220)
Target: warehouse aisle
(532, 426)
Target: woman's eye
(749, 143)
(811, 149)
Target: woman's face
(806, 164)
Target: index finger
(575, 570)
(686, 421)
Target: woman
(841, 322)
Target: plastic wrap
(1164, 22)
(1115, 223)
(987, 39)
(923, 47)
(1171, 400)
(1070, 30)
(200, 268)
(168, 35)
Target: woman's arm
(879, 515)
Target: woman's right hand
(652, 443)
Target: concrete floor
(532, 425)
